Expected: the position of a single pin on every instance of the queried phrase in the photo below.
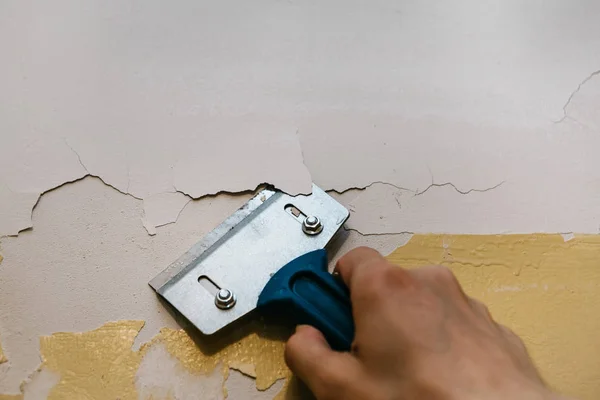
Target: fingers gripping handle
(304, 292)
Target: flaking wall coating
(473, 118)
(205, 97)
(538, 285)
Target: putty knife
(268, 255)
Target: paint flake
(3, 358)
(163, 209)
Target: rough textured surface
(545, 289)
(101, 364)
(161, 376)
(461, 117)
(163, 209)
(39, 384)
(106, 352)
(90, 260)
(539, 285)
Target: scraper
(269, 255)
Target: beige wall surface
(128, 130)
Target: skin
(418, 336)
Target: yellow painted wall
(547, 290)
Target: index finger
(355, 263)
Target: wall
(130, 130)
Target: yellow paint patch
(93, 365)
(260, 357)
(100, 364)
(11, 397)
(547, 290)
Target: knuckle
(513, 337)
(373, 285)
(480, 308)
(378, 285)
(291, 349)
(444, 274)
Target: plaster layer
(442, 176)
(89, 261)
(39, 385)
(156, 99)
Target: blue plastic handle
(303, 292)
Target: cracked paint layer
(157, 99)
(583, 105)
(165, 173)
(90, 257)
(449, 176)
(539, 285)
(262, 350)
(575, 93)
(386, 209)
(102, 364)
(163, 209)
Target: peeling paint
(568, 236)
(163, 209)
(384, 209)
(39, 384)
(264, 353)
(102, 364)
(151, 113)
(556, 288)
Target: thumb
(327, 373)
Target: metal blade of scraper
(220, 278)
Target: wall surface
(128, 130)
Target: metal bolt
(312, 225)
(225, 299)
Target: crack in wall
(572, 95)
(377, 234)
(463, 192)
(368, 186)
(89, 174)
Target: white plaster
(206, 96)
(15, 210)
(162, 377)
(348, 240)
(162, 209)
(89, 261)
(40, 383)
(241, 387)
(568, 236)
(532, 200)
(584, 104)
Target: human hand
(418, 336)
